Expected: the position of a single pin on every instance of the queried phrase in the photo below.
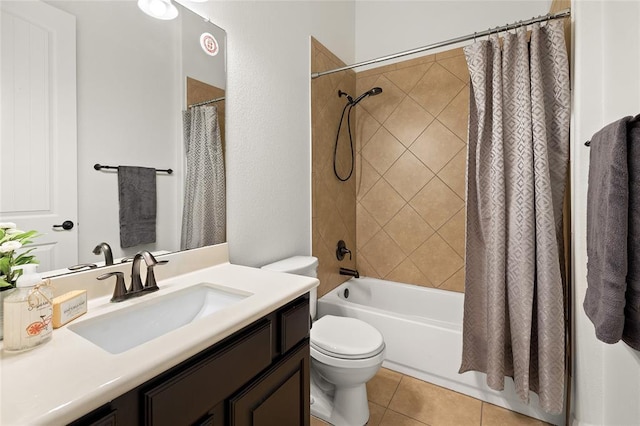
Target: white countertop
(69, 376)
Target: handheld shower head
(372, 92)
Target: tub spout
(350, 272)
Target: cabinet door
(278, 397)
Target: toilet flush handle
(342, 250)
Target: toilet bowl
(345, 354)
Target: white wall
(268, 118)
(387, 27)
(606, 88)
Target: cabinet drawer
(294, 325)
(190, 394)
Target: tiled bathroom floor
(399, 400)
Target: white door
(38, 169)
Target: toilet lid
(345, 337)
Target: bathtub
(422, 329)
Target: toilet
(345, 354)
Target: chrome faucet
(105, 249)
(121, 292)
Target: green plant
(11, 241)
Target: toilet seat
(345, 338)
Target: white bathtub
(422, 328)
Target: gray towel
(137, 196)
(612, 218)
(631, 332)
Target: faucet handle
(150, 283)
(82, 266)
(342, 250)
(120, 290)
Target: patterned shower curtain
(204, 210)
(514, 321)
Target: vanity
(245, 363)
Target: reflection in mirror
(116, 81)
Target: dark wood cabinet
(257, 376)
(278, 397)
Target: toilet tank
(299, 265)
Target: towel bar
(100, 167)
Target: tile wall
(410, 186)
(334, 202)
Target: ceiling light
(159, 9)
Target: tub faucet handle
(342, 250)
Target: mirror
(134, 77)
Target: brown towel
(137, 196)
(611, 218)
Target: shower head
(351, 101)
(372, 92)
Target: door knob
(66, 225)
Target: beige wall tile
(408, 121)
(436, 146)
(406, 78)
(407, 272)
(436, 203)
(382, 105)
(375, 71)
(456, 65)
(436, 260)
(364, 83)
(436, 89)
(453, 232)
(382, 150)
(391, 418)
(455, 283)
(456, 115)
(434, 405)
(449, 53)
(408, 229)
(382, 386)
(367, 178)
(382, 202)
(425, 59)
(453, 174)
(383, 252)
(322, 147)
(408, 175)
(334, 205)
(365, 268)
(366, 126)
(366, 226)
(497, 416)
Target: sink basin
(126, 328)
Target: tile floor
(399, 400)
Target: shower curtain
(204, 210)
(514, 321)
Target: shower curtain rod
(549, 16)
(210, 101)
